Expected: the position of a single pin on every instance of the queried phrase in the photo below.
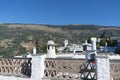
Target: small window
(48, 47)
(52, 47)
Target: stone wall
(115, 69)
(36, 72)
(45, 68)
(15, 66)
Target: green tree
(41, 48)
(102, 35)
(22, 50)
(102, 42)
(112, 43)
(44, 49)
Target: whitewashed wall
(103, 68)
(38, 67)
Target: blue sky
(98, 12)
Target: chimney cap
(51, 42)
(93, 39)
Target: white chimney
(74, 51)
(86, 42)
(66, 43)
(93, 39)
(34, 50)
(51, 49)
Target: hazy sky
(100, 12)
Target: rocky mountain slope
(17, 39)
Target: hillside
(17, 39)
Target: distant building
(75, 47)
(86, 46)
(115, 38)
